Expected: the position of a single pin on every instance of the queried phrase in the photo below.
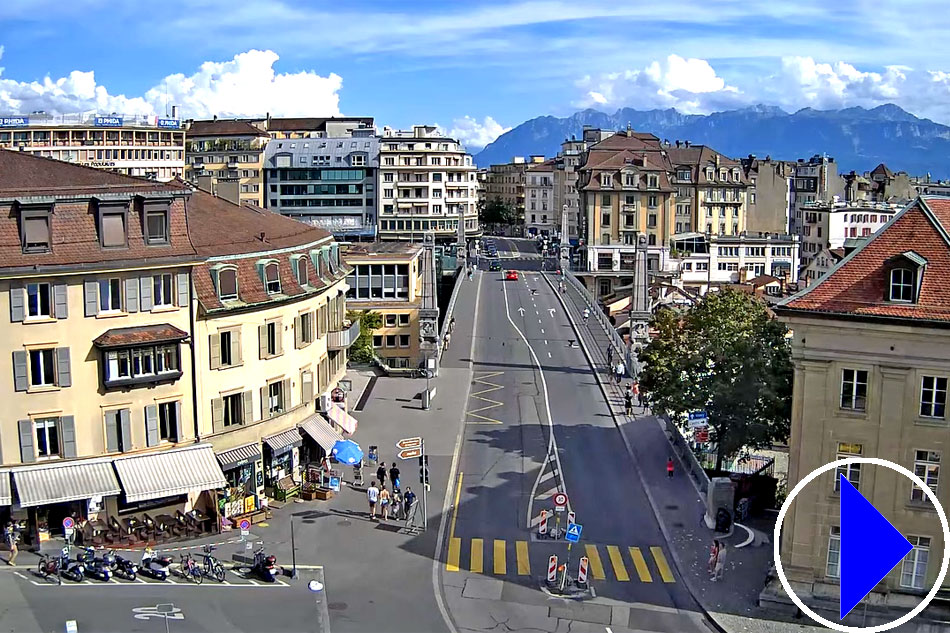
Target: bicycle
(211, 566)
(190, 569)
(49, 566)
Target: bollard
(563, 570)
(582, 572)
(552, 569)
(543, 526)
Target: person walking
(669, 467)
(396, 504)
(394, 476)
(628, 403)
(384, 499)
(720, 568)
(610, 355)
(713, 556)
(586, 314)
(372, 495)
(409, 505)
(381, 474)
(11, 536)
(619, 371)
(448, 339)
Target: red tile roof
(856, 286)
(224, 127)
(139, 335)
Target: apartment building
(705, 262)
(871, 350)
(829, 224)
(567, 199)
(768, 196)
(505, 182)
(328, 181)
(226, 158)
(136, 145)
(710, 190)
(311, 127)
(540, 211)
(815, 180)
(822, 264)
(426, 184)
(387, 278)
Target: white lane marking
(542, 330)
(21, 575)
(549, 354)
(545, 341)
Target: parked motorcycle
(95, 567)
(122, 567)
(71, 569)
(265, 566)
(48, 566)
(155, 567)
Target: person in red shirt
(669, 467)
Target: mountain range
(857, 138)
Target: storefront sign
(172, 124)
(334, 484)
(102, 163)
(14, 121)
(94, 505)
(107, 121)
(249, 504)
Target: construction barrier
(570, 517)
(582, 571)
(552, 569)
(543, 525)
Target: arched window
(226, 284)
(271, 278)
(902, 285)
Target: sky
(476, 68)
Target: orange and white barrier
(552, 569)
(582, 571)
(543, 525)
(570, 517)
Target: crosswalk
(606, 562)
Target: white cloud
(475, 135)
(244, 85)
(840, 84)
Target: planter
(323, 494)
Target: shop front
(6, 497)
(318, 439)
(282, 463)
(244, 473)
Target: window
(47, 437)
(391, 320)
(377, 340)
(357, 160)
(605, 200)
(403, 340)
(275, 398)
(233, 409)
(272, 338)
(38, 300)
(652, 200)
(902, 285)
(226, 340)
(227, 284)
(301, 270)
(35, 236)
(404, 320)
(143, 361)
(933, 397)
(156, 226)
(852, 472)
(168, 421)
(832, 569)
(606, 180)
(605, 261)
(927, 467)
(271, 278)
(604, 286)
(110, 295)
(854, 389)
(112, 230)
(390, 340)
(162, 291)
(914, 567)
(651, 221)
(42, 367)
(605, 219)
(306, 328)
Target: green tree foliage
(728, 356)
(495, 212)
(362, 350)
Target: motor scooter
(265, 566)
(95, 567)
(153, 566)
(121, 567)
(71, 569)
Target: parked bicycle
(211, 566)
(190, 569)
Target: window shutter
(279, 337)
(306, 380)
(61, 301)
(237, 357)
(131, 295)
(183, 289)
(112, 431)
(91, 297)
(248, 405)
(125, 427)
(214, 342)
(27, 454)
(17, 303)
(145, 298)
(63, 371)
(262, 339)
(215, 281)
(217, 414)
(176, 427)
(20, 381)
(265, 409)
(67, 432)
(285, 394)
(151, 425)
(298, 332)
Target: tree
(495, 212)
(362, 350)
(729, 357)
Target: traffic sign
(560, 501)
(698, 418)
(410, 453)
(870, 547)
(68, 523)
(244, 524)
(573, 533)
(409, 442)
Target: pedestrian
(586, 314)
(720, 563)
(372, 495)
(381, 474)
(384, 499)
(11, 536)
(628, 403)
(408, 504)
(669, 467)
(396, 504)
(713, 556)
(448, 339)
(394, 476)
(642, 399)
(610, 354)
(469, 274)
(619, 369)
(452, 325)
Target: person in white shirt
(372, 495)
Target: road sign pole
(425, 488)
(293, 549)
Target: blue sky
(475, 67)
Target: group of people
(390, 503)
(717, 560)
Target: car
(494, 265)
(511, 275)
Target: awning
(139, 335)
(42, 485)
(6, 497)
(339, 415)
(239, 456)
(321, 432)
(169, 473)
(284, 442)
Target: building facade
(135, 145)
(226, 158)
(768, 197)
(813, 181)
(426, 184)
(831, 224)
(540, 209)
(711, 189)
(707, 261)
(870, 349)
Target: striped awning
(234, 457)
(283, 442)
(69, 481)
(345, 421)
(6, 496)
(321, 432)
(169, 473)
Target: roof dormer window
(606, 180)
(225, 282)
(113, 225)
(35, 229)
(299, 264)
(270, 276)
(904, 275)
(902, 285)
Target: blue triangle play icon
(870, 547)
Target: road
(530, 382)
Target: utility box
(721, 495)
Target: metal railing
(344, 338)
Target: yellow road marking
(596, 567)
(492, 404)
(661, 564)
(455, 547)
(476, 564)
(617, 561)
(641, 564)
(500, 564)
(524, 564)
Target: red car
(511, 275)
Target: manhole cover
(678, 525)
(344, 522)
(672, 507)
(337, 606)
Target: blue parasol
(347, 452)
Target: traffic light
(424, 470)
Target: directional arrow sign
(870, 547)
(409, 442)
(410, 453)
(521, 311)
(573, 533)
(551, 310)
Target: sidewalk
(679, 506)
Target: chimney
(215, 117)
(263, 237)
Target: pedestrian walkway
(499, 557)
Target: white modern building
(829, 224)
(707, 261)
(427, 183)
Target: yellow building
(386, 277)
(226, 157)
(711, 191)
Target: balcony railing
(344, 338)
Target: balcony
(344, 338)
